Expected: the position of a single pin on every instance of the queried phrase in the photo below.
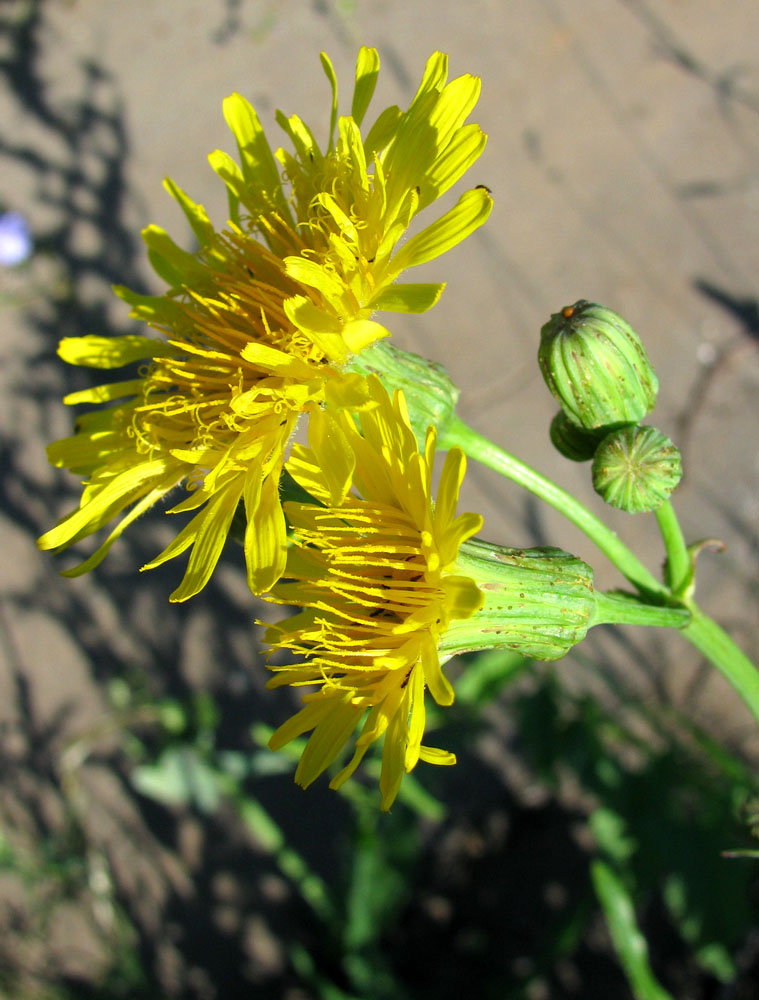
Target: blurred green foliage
(666, 807)
(665, 812)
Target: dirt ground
(623, 158)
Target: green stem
(457, 433)
(619, 609)
(679, 569)
(701, 632)
(717, 646)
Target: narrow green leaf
(628, 941)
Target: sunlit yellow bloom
(374, 568)
(259, 323)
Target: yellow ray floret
(256, 326)
(373, 567)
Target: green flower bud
(538, 602)
(636, 468)
(595, 365)
(572, 441)
(431, 396)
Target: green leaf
(612, 835)
(179, 777)
(269, 835)
(486, 674)
(628, 941)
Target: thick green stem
(717, 646)
(619, 609)
(678, 559)
(457, 433)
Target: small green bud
(572, 441)
(538, 602)
(431, 396)
(595, 365)
(636, 468)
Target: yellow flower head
(263, 317)
(374, 569)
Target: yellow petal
(281, 362)
(105, 393)
(383, 131)
(344, 223)
(112, 352)
(437, 682)
(195, 214)
(322, 327)
(329, 71)
(455, 103)
(137, 511)
(302, 722)
(417, 719)
(211, 533)
(176, 266)
(313, 274)
(259, 168)
(407, 298)
(435, 75)
(84, 452)
(393, 761)
(226, 168)
(351, 392)
(367, 69)
(462, 596)
(464, 149)
(433, 755)
(471, 210)
(108, 501)
(329, 737)
(465, 526)
(301, 137)
(332, 454)
(157, 311)
(360, 333)
(451, 479)
(266, 538)
(309, 473)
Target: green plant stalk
(629, 943)
(702, 632)
(615, 609)
(717, 646)
(478, 447)
(678, 559)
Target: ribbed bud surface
(636, 468)
(538, 602)
(595, 365)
